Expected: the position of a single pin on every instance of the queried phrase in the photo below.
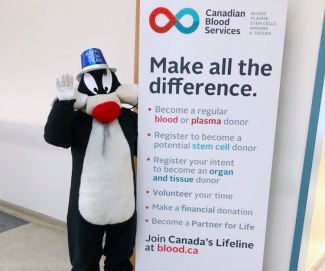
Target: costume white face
(101, 87)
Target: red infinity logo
(174, 20)
(162, 29)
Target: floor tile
(34, 248)
(8, 222)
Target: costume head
(96, 77)
(100, 84)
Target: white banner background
(247, 185)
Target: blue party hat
(92, 59)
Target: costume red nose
(106, 112)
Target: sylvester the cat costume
(102, 136)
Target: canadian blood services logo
(174, 20)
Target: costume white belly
(106, 193)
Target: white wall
(313, 237)
(42, 39)
(304, 27)
(39, 40)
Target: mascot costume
(103, 139)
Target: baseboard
(317, 262)
(32, 216)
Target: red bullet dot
(147, 207)
(147, 192)
(149, 109)
(149, 134)
(146, 220)
(148, 159)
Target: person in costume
(102, 136)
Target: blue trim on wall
(309, 154)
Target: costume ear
(128, 93)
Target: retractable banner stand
(209, 78)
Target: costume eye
(107, 81)
(90, 83)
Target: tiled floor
(31, 247)
(27, 246)
(8, 222)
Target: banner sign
(209, 79)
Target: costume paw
(66, 91)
